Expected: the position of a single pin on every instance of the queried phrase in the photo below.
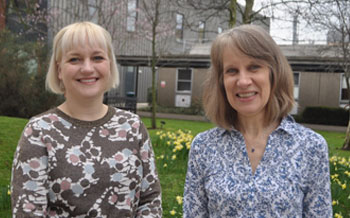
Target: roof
(306, 58)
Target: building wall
(167, 94)
(319, 89)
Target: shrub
(340, 177)
(325, 115)
(23, 68)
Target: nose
(87, 66)
(244, 80)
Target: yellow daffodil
(334, 202)
(337, 215)
(9, 192)
(173, 157)
(172, 212)
(179, 199)
(165, 165)
(343, 186)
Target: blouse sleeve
(317, 200)
(195, 200)
(150, 197)
(29, 175)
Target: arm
(317, 200)
(195, 201)
(150, 197)
(29, 175)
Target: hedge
(325, 115)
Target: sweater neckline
(85, 123)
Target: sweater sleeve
(29, 174)
(150, 197)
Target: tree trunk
(346, 145)
(233, 13)
(154, 61)
(248, 11)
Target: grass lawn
(172, 177)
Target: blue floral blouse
(291, 180)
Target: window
(179, 27)
(296, 84)
(219, 30)
(184, 80)
(344, 91)
(296, 78)
(130, 81)
(201, 30)
(132, 16)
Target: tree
(333, 16)
(230, 11)
(22, 82)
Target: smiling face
(246, 82)
(85, 72)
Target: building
(319, 81)
(130, 23)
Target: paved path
(202, 118)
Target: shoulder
(43, 120)
(306, 138)
(208, 142)
(124, 115)
(209, 136)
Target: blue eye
(98, 58)
(231, 70)
(254, 67)
(73, 60)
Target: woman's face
(85, 73)
(247, 83)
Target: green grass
(172, 177)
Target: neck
(87, 110)
(255, 126)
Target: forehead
(232, 54)
(83, 39)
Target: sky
(281, 28)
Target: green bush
(23, 67)
(325, 115)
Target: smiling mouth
(246, 95)
(88, 80)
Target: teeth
(87, 80)
(246, 95)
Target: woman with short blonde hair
(84, 158)
(77, 34)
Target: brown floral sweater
(65, 167)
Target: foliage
(22, 77)
(340, 177)
(172, 177)
(172, 149)
(325, 115)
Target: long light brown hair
(256, 43)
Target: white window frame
(131, 17)
(342, 85)
(177, 81)
(201, 31)
(296, 86)
(178, 25)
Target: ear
(59, 74)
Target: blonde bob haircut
(74, 35)
(256, 43)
